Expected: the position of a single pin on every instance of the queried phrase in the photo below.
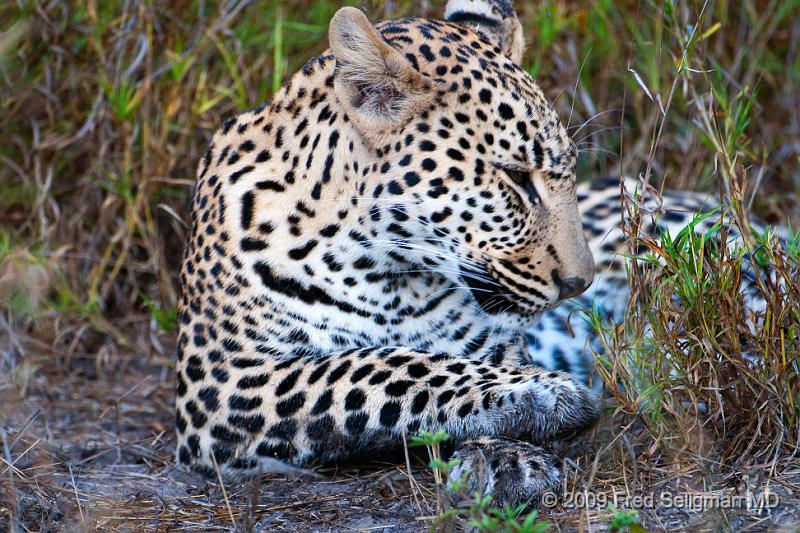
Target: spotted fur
(368, 250)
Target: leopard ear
(377, 86)
(494, 19)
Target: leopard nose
(570, 287)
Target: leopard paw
(509, 470)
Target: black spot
(231, 345)
(445, 397)
(538, 154)
(454, 154)
(288, 382)
(411, 178)
(300, 253)
(318, 372)
(249, 244)
(333, 265)
(425, 50)
(398, 388)
(505, 111)
(394, 187)
(338, 372)
(248, 203)
(285, 430)
(427, 146)
(428, 164)
(455, 174)
(419, 402)
(390, 414)
(361, 373)
(320, 429)
(220, 374)
(209, 397)
(221, 453)
(324, 402)
(224, 434)
(242, 403)
(326, 171)
(456, 368)
(355, 400)
(195, 373)
(180, 422)
(249, 423)
(251, 382)
(487, 397)
(301, 127)
(199, 419)
(417, 370)
(246, 362)
(437, 381)
(363, 263)
(673, 216)
(464, 379)
(465, 409)
(355, 423)
(184, 456)
(269, 185)
(440, 216)
(398, 360)
(380, 377)
(241, 172)
(329, 231)
(290, 405)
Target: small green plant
(166, 319)
(624, 520)
(507, 519)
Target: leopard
(383, 248)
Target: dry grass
(107, 106)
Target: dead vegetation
(107, 106)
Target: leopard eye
(517, 176)
(523, 179)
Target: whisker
(597, 132)
(590, 119)
(437, 252)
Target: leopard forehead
(475, 80)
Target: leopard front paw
(558, 407)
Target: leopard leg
(352, 403)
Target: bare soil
(94, 451)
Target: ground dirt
(93, 451)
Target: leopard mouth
(492, 297)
